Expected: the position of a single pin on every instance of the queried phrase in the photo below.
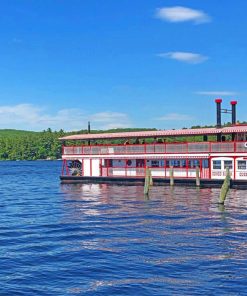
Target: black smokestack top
(234, 103)
(218, 112)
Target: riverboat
(96, 158)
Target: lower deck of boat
(204, 183)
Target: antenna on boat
(233, 103)
(88, 130)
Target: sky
(129, 63)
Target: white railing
(199, 147)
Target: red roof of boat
(160, 133)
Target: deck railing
(164, 148)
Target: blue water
(110, 240)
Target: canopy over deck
(160, 133)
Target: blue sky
(127, 63)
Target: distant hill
(13, 132)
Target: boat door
(241, 168)
(219, 166)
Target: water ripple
(110, 240)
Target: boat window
(228, 164)
(175, 163)
(241, 164)
(170, 162)
(217, 164)
(205, 163)
(140, 163)
(130, 163)
(156, 163)
(116, 163)
(193, 163)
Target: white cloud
(182, 14)
(30, 117)
(111, 119)
(174, 117)
(187, 57)
(217, 93)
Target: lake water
(110, 240)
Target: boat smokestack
(234, 103)
(218, 112)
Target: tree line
(28, 145)
(25, 145)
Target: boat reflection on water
(176, 227)
(166, 201)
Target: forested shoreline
(28, 145)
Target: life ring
(245, 144)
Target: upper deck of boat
(159, 145)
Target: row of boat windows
(181, 163)
(217, 164)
